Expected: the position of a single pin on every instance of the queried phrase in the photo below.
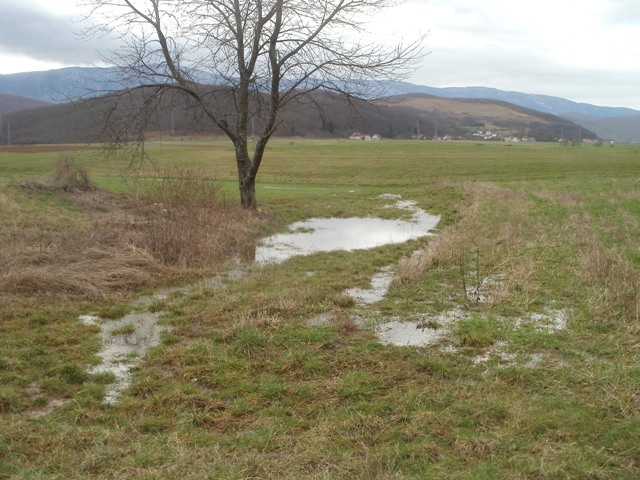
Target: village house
(359, 136)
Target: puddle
(124, 343)
(408, 334)
(430, 329)
(505, 359)
(420, 333)
(551, 321)
(322, 320)
(330, 234)
(380, 283)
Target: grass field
(536, 258)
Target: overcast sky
(582, 50)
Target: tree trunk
(246, 173)
(248, 193)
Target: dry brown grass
(91, 273)
(56, 252)
(186, 225)
(521, 247)
(68, 176)
(614, 281)
(114, 243)
(485, 245)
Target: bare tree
(262, 54)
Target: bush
(187, 225)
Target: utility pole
(8, 133)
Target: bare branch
(262, 54)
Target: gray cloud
(584, 52)
(36, 33)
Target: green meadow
(531, 288)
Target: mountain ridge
(543, 103)
(401, 116)
(60, 85)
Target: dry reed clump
(89, 263)
(127, 244)
(71, 177)
(186, 225)
(68, 177)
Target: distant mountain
(542, 103)
(402, 116)
(64, 84)
(621, 124)
(61, 85)
(620, 129)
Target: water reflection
(331, 234)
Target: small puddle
(408, 334)
(124, 343)
(426, 331)
(430, 329)
(380, 283)
(330, 234)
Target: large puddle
(330, 234)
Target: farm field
(529, 294)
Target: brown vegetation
(614, 280)
(485, 248)
(121, 243)
(501, 247)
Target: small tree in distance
(261, 55)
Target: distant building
(360, 136)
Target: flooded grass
(526, 296)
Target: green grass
(243, 387)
